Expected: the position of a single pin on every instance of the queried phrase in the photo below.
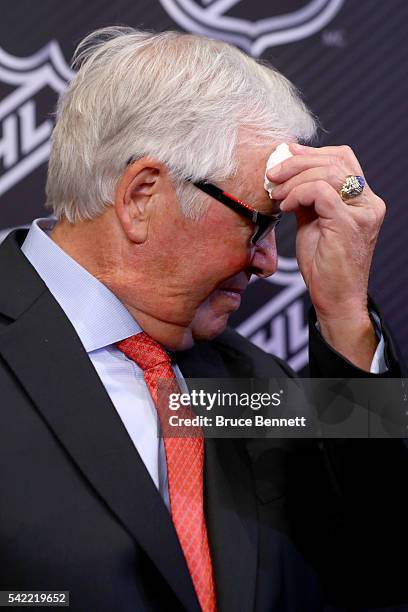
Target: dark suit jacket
(291, 523)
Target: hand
(335, 240)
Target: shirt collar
(98, 316)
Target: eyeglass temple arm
(227, 199)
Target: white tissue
(279, 155)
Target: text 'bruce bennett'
(220, 421)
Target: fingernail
(282, 205)
(275, 170)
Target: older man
(159, 152)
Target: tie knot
(144, 351)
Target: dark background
(353, 75)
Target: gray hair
(185, 100)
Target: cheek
(225, 261)
(238, 259)
(225, 266)
(219, 251)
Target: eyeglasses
(264, 224)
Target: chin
(211, 318)
(211, 328)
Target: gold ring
(352, 187)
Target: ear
(136, 190)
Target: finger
(342, 151)
(331, 174)
(299, 163)
(326, 201)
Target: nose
(264, 261)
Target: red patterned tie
(185, 461)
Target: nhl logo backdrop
(278, 325)
(25, 145)
(253, 26)
(350, 60)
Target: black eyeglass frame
(265, 223)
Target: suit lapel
(44, 352)
(229, 499)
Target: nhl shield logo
(25, 145)
(277, 325)
(253, 26)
